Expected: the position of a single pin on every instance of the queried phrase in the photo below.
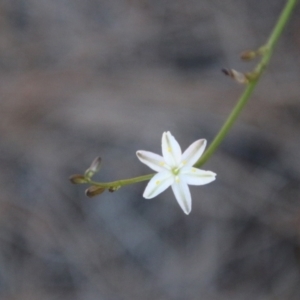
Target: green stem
(122, 182)
(267, 53)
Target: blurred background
(80, 79)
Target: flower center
(176, 171)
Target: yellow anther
(177, 179)
(157, 182)
(169, 149)
(161, 163)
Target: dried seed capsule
(94, 191)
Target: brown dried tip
(77, 179)
(94, 191)
(226, 72)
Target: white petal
(195, 176)
(158, 183)
(171, 149)
(191, 155)
(152, 160)
(182, 195)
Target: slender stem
(122, 182)
(267, 53)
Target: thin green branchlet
(266, 52)
(250, 79)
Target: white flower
(176, 170)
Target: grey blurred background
(80, 79)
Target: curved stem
(267, 53)
(122, 182)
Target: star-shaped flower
(175, 169)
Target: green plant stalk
(122, 182)
(267, 51)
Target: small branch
(253, 77)
(267, 53)
(123, 182)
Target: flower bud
(94, 191)
(248, 55)
(94, 167)
(78, 179)
(237, 76)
